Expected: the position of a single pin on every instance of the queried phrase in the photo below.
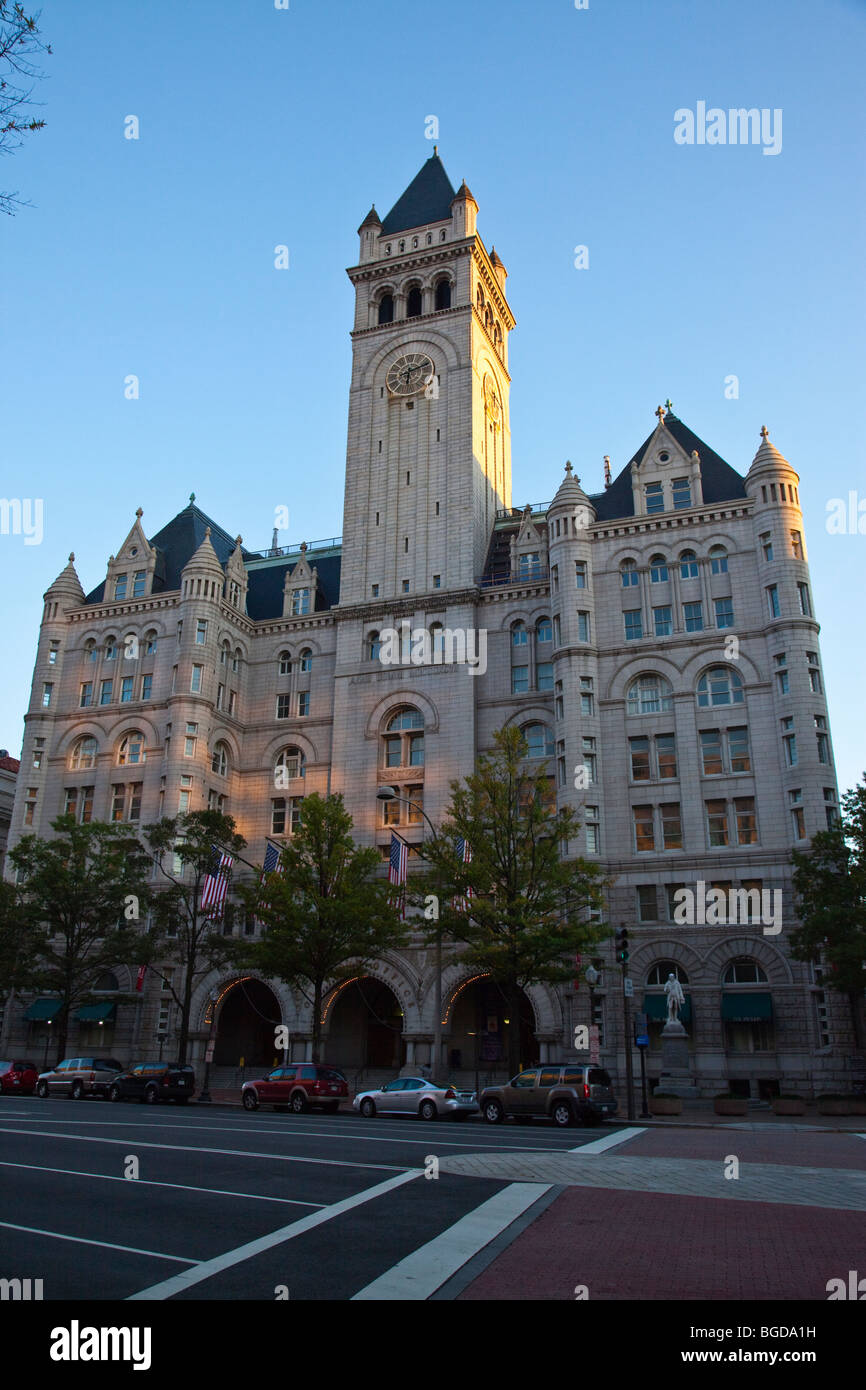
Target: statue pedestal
(676, 1077)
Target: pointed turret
(571, 497)
(427, 199)
(66, 591)
(237, 582)
(464, 211)
(202, 575)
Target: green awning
(96, 1013)
(42, 1010)
(655, 1006)
(747, 1008)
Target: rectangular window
(583, 627)
(544, 675)
(559, 706)
(86, 806)
(796, 545)
(644, 838)
(587, 704)
(119, 587)
(782, 682)
(134, 807)
(196, 679)
(405, 586)
(672, 827)
(693, 615)
(201, 632)
(190, 740)
(85, 696)
(711, 752)
(374, 590)
(126, 690)
(105, 689)
(52, 654)
(647, 903)
(580, 574)
(823, 748)
(70, 801)
(118, 793)
(805, 600)
(655, 498)
(789, 739)
(738, 750)
(766, 539)
(303, 702)
(38, 755)
(138, 580)
(666, 755)
(724, 612)
(590, 760)
(671, 890)
(278, 815)
(294, 813)
(772, 592)
(682, 493)
(593, 830)
(47, 691)
(179, 631)
(798, 822)
(185, 794)
(416, 750)
(554, 579)
(639, 749)
(221, 695)
(744, 812)
(146, 687)
(519, 679)
(560, 761)
(831, 810)
(390, 812)
(300, 602)
(717, 823)
(633, 624)
(662, 621)
(30, 805)
(437, 581)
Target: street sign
(628, 987)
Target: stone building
(656, 640)
(8, 778)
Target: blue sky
(261, 127)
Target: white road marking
(105, 1244)
(148, 1182)
(424, 1271)
(608, 1141)
(194, 1149)
(208, 1268)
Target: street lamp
(204, 1095)
(389, 794)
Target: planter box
(666, 1105)
(731, 1107)
(789, 1107)
(855, 1106)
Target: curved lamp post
(204, 1095)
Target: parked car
(154, 1081)
(18, 1078)
(413, 1095)
(564, 1094)
(79, 1076)
(299, 1085)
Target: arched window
(479, 299)
(658, 973)
(225, 651)
(110, 648)
(290, 764)
(497, 336)
(131, 750)
(744, 971)
(720, 686)
(413, 302)
(658, 569)
(285, 660)
(306, 659)
(150, 642)
(650, 693)
(443, 295)
(236, 659)
(84, 753)
(404, 738)
(544, 630)
(519, 636)
(386, 308)
(90, 652)
(106, 981)
(688, 565)
(718, 559)
(628, 571)
(219, 763)
(488, 318)
(374, 646)
(540, 740)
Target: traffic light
(622, 945)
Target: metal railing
(531, 574)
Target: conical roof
(570, 493)
(427, 199)
(67, 583)
(768, 455)
(205, 556)
(371, 220)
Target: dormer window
(138, 581)
(655, 498)
(300, 602)
(120, 587)
(681, 491)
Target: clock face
(493, 408)
(409, 374)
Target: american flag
(216, 883)
(463, 850)
(272, 865)
(397, 863)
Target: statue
(675, 997)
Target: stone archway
(246, 1019)
(479, 1022)
(365, 1024)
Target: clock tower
(428, 460)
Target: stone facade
(657, 638)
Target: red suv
(297, 1085)
(18, 1078)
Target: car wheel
(114, 1093)
(368, 1108)
(77, 1090)
(428, 1111)
(42, 1090)
(251, 1100)
(562, 1114)
(151, 1095)
(493, 1112)
(298, 1103)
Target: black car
(154, 1081)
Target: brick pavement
(804, 1148)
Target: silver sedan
(412, 1095)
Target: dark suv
(18, 1078)
(154, 1081)
(297, 1085)
(565, 1094)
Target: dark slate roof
(265, 593)
(720, 482)
(427, 199)
(175, 545)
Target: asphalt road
(231, 1205)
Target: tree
(19, 43)
(528, 910)
(81, 894)
(830, 883)
(325, 913)
(197, 941)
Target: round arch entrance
(365, 1027)
(480, 1026)
(246, 1021)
